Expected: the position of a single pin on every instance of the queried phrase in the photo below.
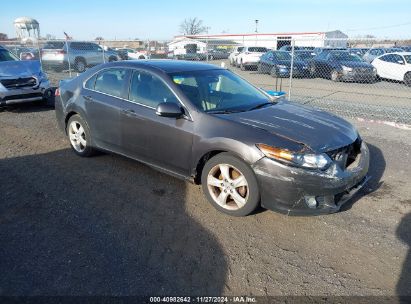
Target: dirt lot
(111, 226)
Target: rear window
(54, 45)
(257, 49)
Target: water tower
(27, 29)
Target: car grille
(345, 156)
(18, 83)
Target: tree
(192, 26)
(3, 36)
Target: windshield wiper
(261, 105)
(222, 111)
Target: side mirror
(169, 109)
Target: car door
(104, 95)
(399, 67)
(162, 141)
(381, 64)
(96, 53)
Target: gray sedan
(207, 125)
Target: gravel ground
(108, 225)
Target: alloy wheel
(227, 186)
(77, 136)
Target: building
(269, 40)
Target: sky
(160, 19)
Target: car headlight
(280, 66)
(305, 160)
(346, 69)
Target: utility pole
(256, 31)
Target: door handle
(129, 112)
(88, 98)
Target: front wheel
(230, 185)
(79, 136)
(335, 76)
(407, 79)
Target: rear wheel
(242, 66)
(407, 79)
(80, 65)
(79, 136)
(230, 185)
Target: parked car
(405, 48)
(289, 48)
(319, 50)
(130, 54)
(394, 66)
(205, 124)
(342, 66)
(24, 53)
(191, 56)
(358, 51)
(79, 55)
(371, 54)
(22, 81)
(278, 64)
(234, 54)
(217, 54)
(249, 57)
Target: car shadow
(404, 283)
(29, 107)
(375, 172)
(100, 226)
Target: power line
(379, 27)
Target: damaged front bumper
(38, 92)
(297, 191)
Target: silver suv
(77, 55)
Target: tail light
(57, 92)
(61, 52)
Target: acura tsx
(207, 125)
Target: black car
(278, 64)
(191, 56)
(319, 50)
(205, 124)
(217, 54)
(342, 66)
(358, 51)
(289, 48)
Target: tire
(141, 57)
(407, 79)
(273, 72)
(334, 76)
(211, 57)
(312, 71)
(112, 59)
(235, 200)
(48, 98)
(79, 137)
(80, 65)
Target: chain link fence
(365, 78)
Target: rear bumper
(286, 189)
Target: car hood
(296, 63)
(20, 68)
(354, 64)
(317, 130)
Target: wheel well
(200, 165)
(68, 117)
(79, 59)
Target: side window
(90, 82)
(149, 90)
(112, 82)
(397, 59)
(389, 58)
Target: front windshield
(282, 55)
(345, 56)
(407, 58)
(219, 91)
(5, 55)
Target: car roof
(170, 66)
